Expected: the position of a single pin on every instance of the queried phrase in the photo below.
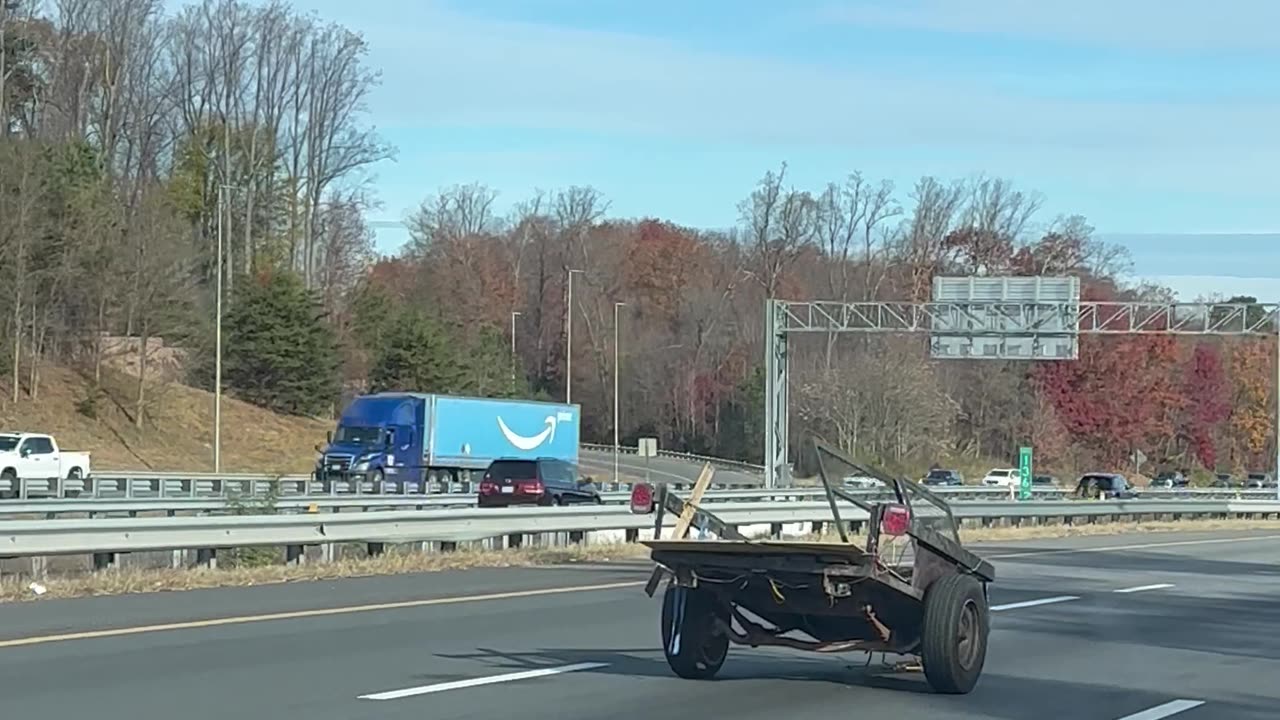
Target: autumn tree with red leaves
(1208, 403)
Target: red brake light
(641, 499)
(895, 520)
(487, 487)
(531, 487)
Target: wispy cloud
(1179, 25)
(484, 72)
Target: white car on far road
(1006, 477)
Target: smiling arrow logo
(528, 443)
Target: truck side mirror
(389, 438)
(328, 436)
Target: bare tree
(850, 218)
(779, 223)
(922, 242)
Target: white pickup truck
(31, 456)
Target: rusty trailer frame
(843, 597)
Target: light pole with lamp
(616, 307)
(514, 314)
(568, 353)
(223, 188)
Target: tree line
(141, 151)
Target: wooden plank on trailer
(683, 522)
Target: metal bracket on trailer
(690, 514)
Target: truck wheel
(12, 477)
(954, 634)
(693, 644)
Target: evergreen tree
(416, 353)
(414, 356)
(279, 351)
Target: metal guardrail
(142, 484)
(114, 535)
(211, 496)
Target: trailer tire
(694, 646)
(953, 637)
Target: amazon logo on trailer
(532, 442)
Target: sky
(1156, 119)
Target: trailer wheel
(954, 633)
(694, 646)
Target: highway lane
(664, 469)
(1100, 654)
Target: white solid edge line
(1144, 588)
(1165, 710)
(1034, 603)
(477, 682)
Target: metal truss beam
(999, 319)
(1004, 318)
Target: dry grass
(177, 432)
(403, 561)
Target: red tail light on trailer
(895, 520)
(642, 499)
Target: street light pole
(616, 307)
(514, 314)
(568, 353)
(217, 334)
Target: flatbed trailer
(832, 597)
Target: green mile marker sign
(1024, 471)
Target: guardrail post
(40, 567)
(207, 557)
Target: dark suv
(1115, 485)
(939, 476)
(535, 482)
(1170, 479)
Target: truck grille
(337, 463)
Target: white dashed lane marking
(1163, 711)
(477, 682)
(1144, 588)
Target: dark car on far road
(1115, 485)
(535, 482)
(938, 476)
(1257, 480)
(1170, 479)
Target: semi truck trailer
(404, 439)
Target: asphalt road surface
(1135, 628)
(661, 469)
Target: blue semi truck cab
(403, 440)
